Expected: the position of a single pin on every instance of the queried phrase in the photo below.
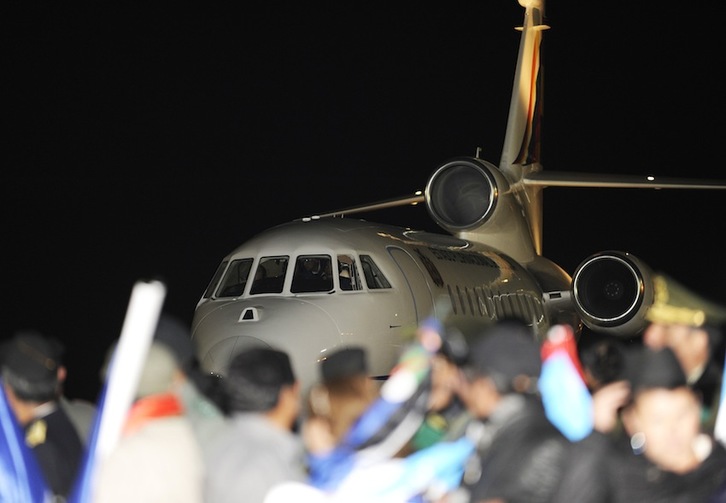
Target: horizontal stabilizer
(555, 179)
(565, 179)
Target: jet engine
(471, 199)
(612, 291)
(462, 193)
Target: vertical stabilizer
(521, 151)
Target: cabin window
(313, 273)
(236, 278)
(374, 276)
(348, 273)
(270, 275)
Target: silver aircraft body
(320, 283)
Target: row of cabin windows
(312, 273)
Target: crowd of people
(464, 417)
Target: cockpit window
(313, 273)
(270, 275)
(348, 273)
(374, 276)
(236, 278)
(215, 279)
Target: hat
(506, 351)
(344, 362)
(32, 356)
(176, 336)
(676, 304)
(654, 368)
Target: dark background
(149, 141)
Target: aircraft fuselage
(402, 275)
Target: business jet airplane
(316, 284)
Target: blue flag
(566, 399)
(21, 480)
(83, 488)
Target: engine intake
(612, 291)
(462, 193)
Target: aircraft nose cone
(301, 328)
(219, 356)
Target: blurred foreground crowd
(484, 413)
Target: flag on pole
(567, 401)
(142, 317)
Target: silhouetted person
(447, 416)
(602, 358)
(31, 370)
(520, 454)
(343, 392)
(660, 454)
(691, 326)
(257, 448)
(158, 457)
(203, 403)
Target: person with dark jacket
(31, 366)
(647, 444)
(520, 454)
(691, 326)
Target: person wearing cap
(158, 457)
(81, 412)
(647, 444)
(691, 326)
(32, 373)
(520, 453)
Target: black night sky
(149, 141)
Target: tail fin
(522, 140)
(521, 150)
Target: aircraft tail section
(521, 150)
(522, 141)
(502, 205)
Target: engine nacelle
(463, 193)
(612, 291)
(473, 200)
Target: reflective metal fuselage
(474, 281)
